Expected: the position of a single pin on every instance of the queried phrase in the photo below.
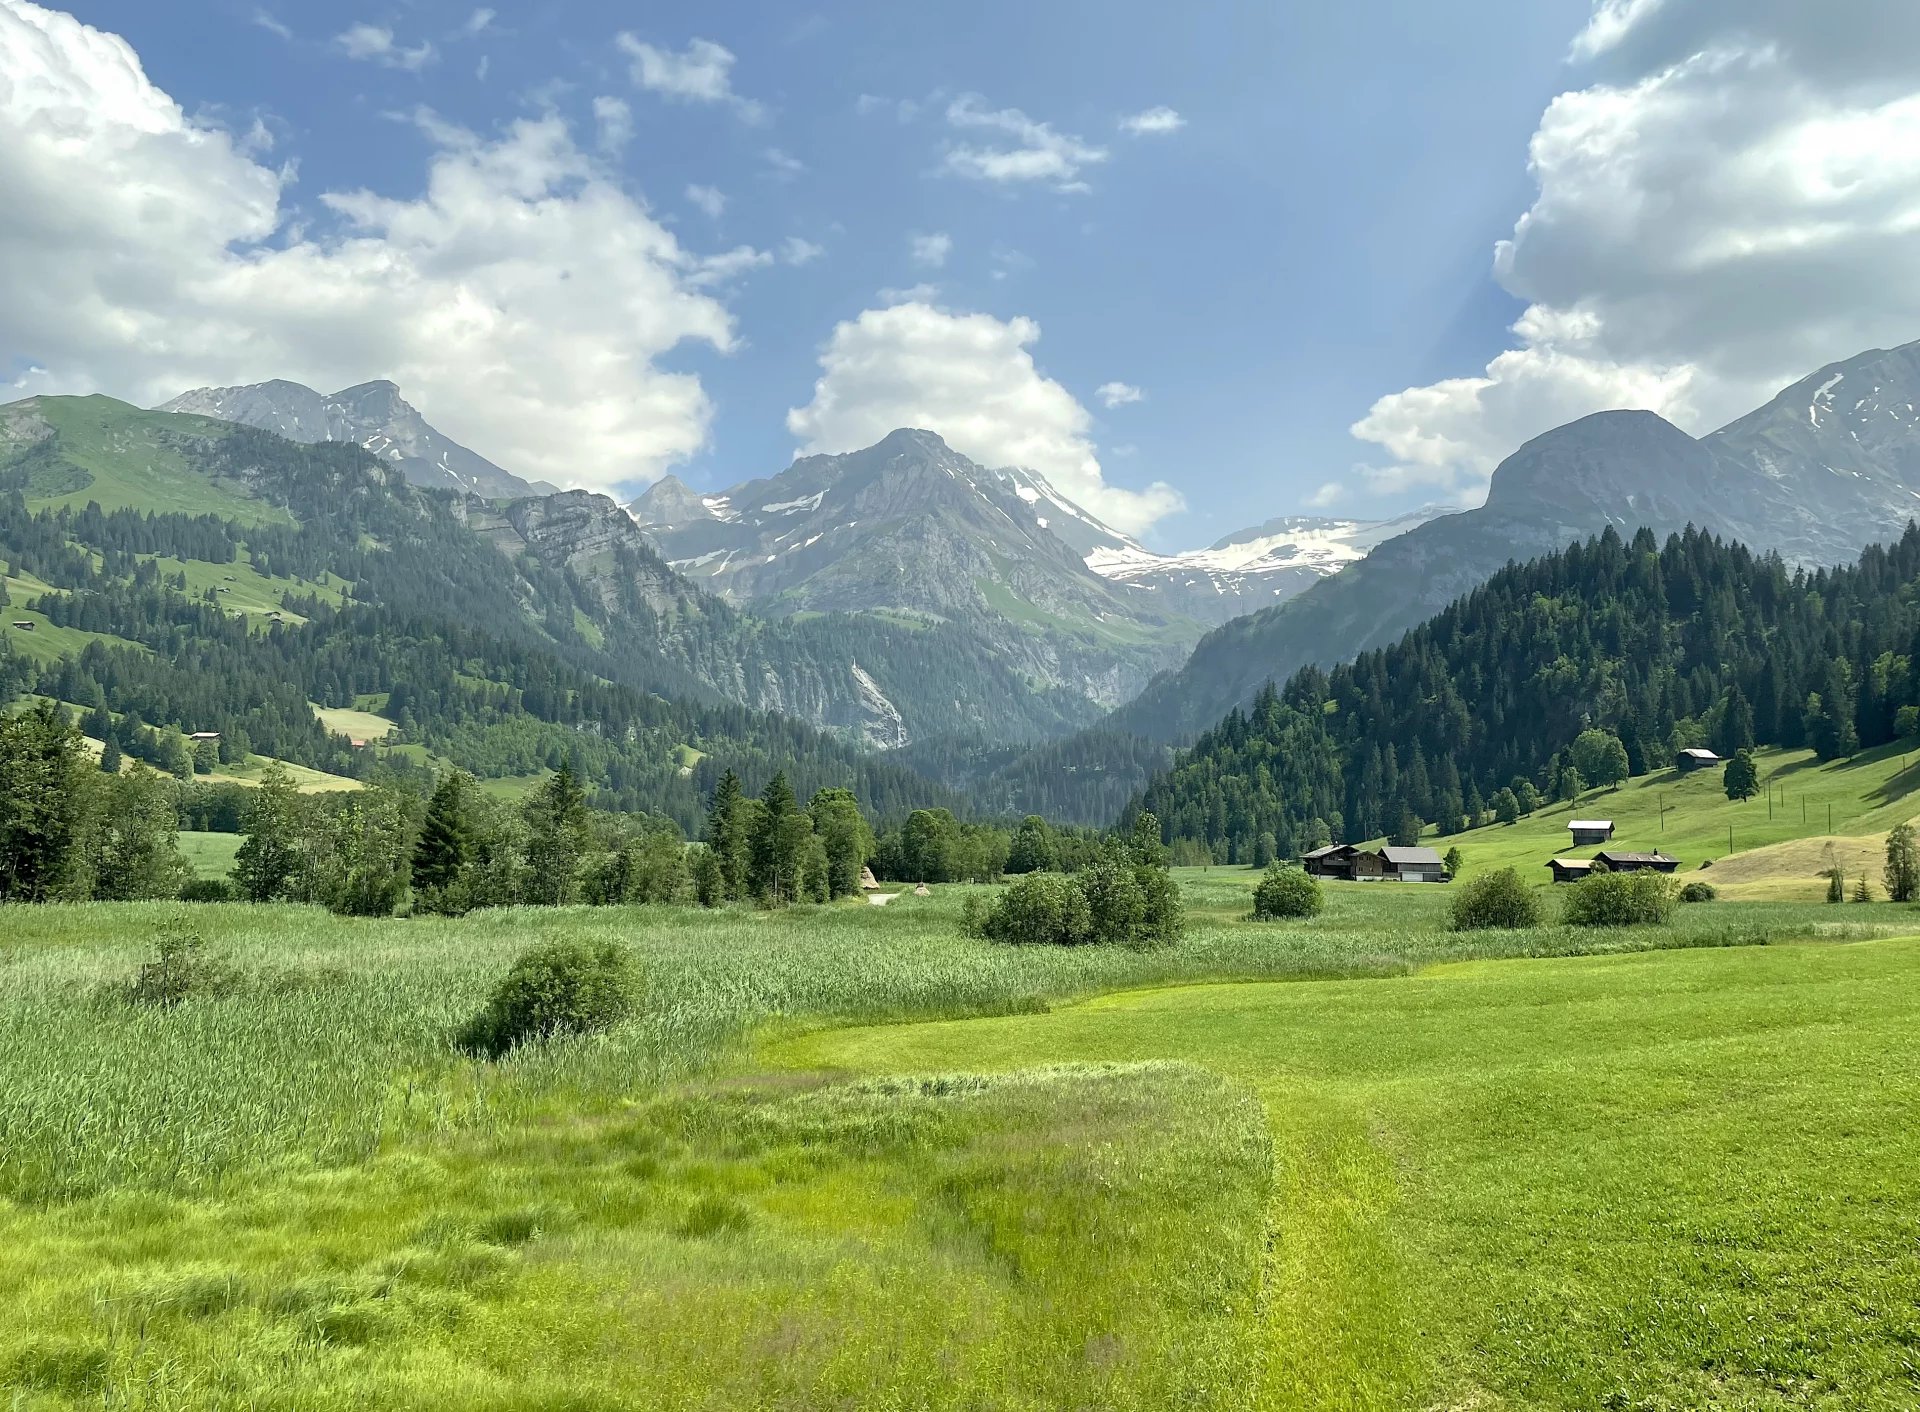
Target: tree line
(1577, 669)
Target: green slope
(1691, 817)
(120, 457)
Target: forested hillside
(569, 572)
(1596, 662)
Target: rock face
(1828, 467)
(912, 529)
(373, 414)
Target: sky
(1199, 265)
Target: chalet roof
(1591, 824)
(1327, 850)
(1402, 857)
(1610, 857)
(1571, 864)
(1696, 753)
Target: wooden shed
(1587, 832)
(1412, 865)
(1636, 862)
(1688, 761)
(1335, 860)
(1567, 870)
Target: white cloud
(784, 167)
(700, 73)
(1034, 151)
(922, 293)
(930, 250)
(709, 199)
(1118, 394)
(970, 378)
(521, 299)
(266, 20)
(615, 121)
(376, 44)
(1731, 205)
(478, 23)
(905, 109)
(1329, 494)
(796, 251)
(1152, 121)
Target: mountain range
(1827, 467)
(373, 415)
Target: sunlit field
(1387, 1185)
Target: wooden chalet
(1636, 862)
(1587, 832)
(1568, 870)
(1688, 761)
(1412, 865)
(1354, 864)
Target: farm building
(1566, 870)
(24, 624)
(1695, 759)
(204, 735)
(1635, 862)
(1589, 831)
(1412, 865)
(1344, 860)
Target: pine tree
(779, 843)
(727, 835)
(42, 802)
(1506, 807)
(110, 756)
(1736, 724)
(557, 839)
(445, 849)
(845, 839)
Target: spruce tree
(727, 836)
(444, 851)
(1742, 779)
(1903, 864)
(779, 842)
(557, 839)
(42, 802)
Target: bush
(1286, 892)
(183, 968)
(1698, 892)
(554, 990)
(1639, 899)
(1496, 901)
(1040, 909)
(207, 890)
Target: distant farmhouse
(1567, 870)
(1588, 831)
(1688, 761)
(1636, 862)
(1351, 863)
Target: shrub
(1116, 908)
(554, 990)
(1698, 892)
(1044, 909)
(207, 890)
(1496, 901)
(1165, 919)
(183, 968)
(1286, 892)
(1638, 899)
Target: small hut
(1591, 831)
(1687, 761)
(1567, 870)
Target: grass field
(210, 855)
(355, 724)
(1690, 816)
(1419, 1176)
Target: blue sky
(1316, 232)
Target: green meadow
(847, 1157)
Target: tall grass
(339, 1039)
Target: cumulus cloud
(272, 24)
(1118, 394)
(478, 23)
(709, 199)
(930, 250)
(971, 378)
(1731, 202)
(796, 251)
(615, 122)
(522, 300)
(1152, 121)
(700, 73)
(1027, 151)
(376, 44)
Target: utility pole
(1729, 838)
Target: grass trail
(1659, 1181)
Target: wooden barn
(1567, 870)
(1688, 761)
(1412, 865)
(1587, 832)
(1636, 862)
